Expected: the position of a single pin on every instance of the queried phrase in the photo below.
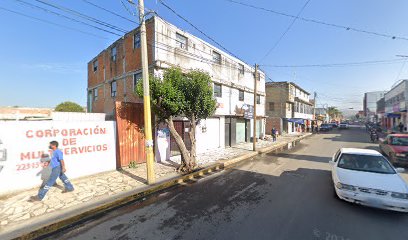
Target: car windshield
(399, 141)
(366, 163)
(324, 125)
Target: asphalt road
(274, 196)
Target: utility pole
(146, 97)
(255, 98)
(314, 105)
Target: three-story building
(113, 74)
(288, 107)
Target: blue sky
(43, 64)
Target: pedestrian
(401, 127)
(58, 171)
(273, 134)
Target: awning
(393, 115)
(296, 120)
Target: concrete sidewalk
(15, 210)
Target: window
(95, 65)
(241, 68)
(113, 89)
(365, 163)
(216, 57)
(289, 107)
(271, 106)
(95, 94)
(113, 53)
(241, 95)
(136, 40)
(217, 90)
(181, 41)
(258, 99)
(136, 78)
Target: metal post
(255, 97)
(146, 98)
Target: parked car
(364, 176)
(325, 127)
(395, 147)
(334, 125)
(343, 125)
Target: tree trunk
(185, 156)
(192, 135)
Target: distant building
(288, 107)
(114, 72)
(396, 102)
(370, 104)
(24, 113)
(380, 113)
(321, 114)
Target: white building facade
(233, 83)
(396, 105)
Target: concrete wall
(88, 147)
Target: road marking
(242, 191)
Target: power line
(109, 11)
(374, 62)
(319, 21)
(199, 30)
(285, 32)
(126, 8)
(64, 16)
(89, 18)
(52, 23)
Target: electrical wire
(81, 15)
(126, 8)
(372, 62)
(319, 21)
(285, 32)
(109, 11)
(66, 17)
(199, 30)
(52, 23)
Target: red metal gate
(130, 136)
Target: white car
(366, 177)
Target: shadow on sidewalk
(131, 175)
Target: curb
(102, 206)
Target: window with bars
(95, 65)
(271, 106)
(181, 41)
(258, 99)
(114, 53)
(217, 90)
(216, 57)
(136, 78)
(114, 86)
(136, 40)
(241, 95)
(95, 94)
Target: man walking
(274, 134)
(58, 171)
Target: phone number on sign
(26, 166)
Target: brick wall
(127, 63)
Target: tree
(182, 94)
(333, 112)
(68, 107)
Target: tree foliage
(188, 95)
(68, 107)
(334, 113)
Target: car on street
(343, 125)
(395, 147)
(325, 127)
(334, 125)
(366, 177)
